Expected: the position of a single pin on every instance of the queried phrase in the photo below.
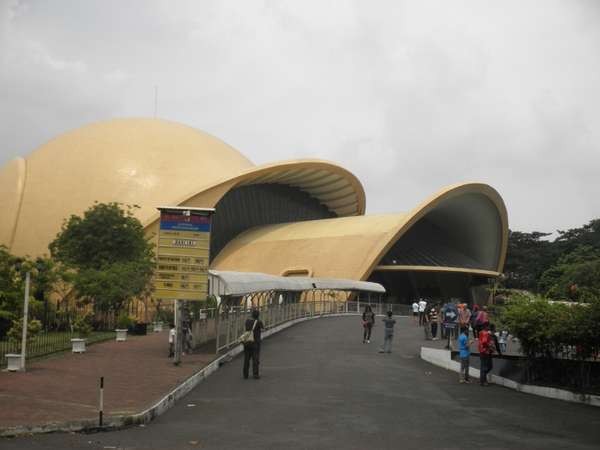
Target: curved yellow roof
(352, 247)
(148, 162)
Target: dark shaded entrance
(405, 286)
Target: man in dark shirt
(252, 349)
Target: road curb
(160, 407)
(443, 358)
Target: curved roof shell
(472, 215)
(152, 162)
(147, 162)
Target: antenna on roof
(155, 100)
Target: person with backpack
(252, 346)
(486, 350)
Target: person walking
(474, 314)
(433, 320)
(415, 310)
(481, 319)
(422, 308)
(368, 320)
(252, 349)
(426, 327)
(503, 340)
(464, 317)
(172, 333)
(486, 349)
(495, 340)
(388, 333)
(464, 352)
(187, 337)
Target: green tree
(11, 289)
(111, 258)
(585, 236)
(575, 276)
(528, 256)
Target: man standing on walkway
(252, 349)
(388, 333)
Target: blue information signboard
(450, 315)
(183, 253)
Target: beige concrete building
(301, 217)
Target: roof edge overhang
(440, 269)
(335, 187)
(430, 204)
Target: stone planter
(78, 345)
(14, 362)
(121, 335)
(157, 326)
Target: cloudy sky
(409, 95)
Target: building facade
(301, 217)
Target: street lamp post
(25, 321)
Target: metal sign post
(450, 318)
(178, 333)
(183, 256)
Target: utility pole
(25, 320)
(178, 333)
(155, 101)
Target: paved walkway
(322, 388)
(64, 387)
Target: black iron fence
(47, 343)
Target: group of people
(463, 321)
(488, 341)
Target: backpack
(482, 317)
(485, 342)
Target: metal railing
(227, 326)
(47, 343)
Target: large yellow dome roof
(148, 162)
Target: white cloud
(116, 76)
(410, 95)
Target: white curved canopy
(242, 283)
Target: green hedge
(555, 331)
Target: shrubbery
(82, 326)
(15, 333)
(556, 335)
(550, 329)
(124, 322)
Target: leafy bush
(82, 326)
(124, 321)
(15, 333)
(549, 332)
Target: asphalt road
(320, 387)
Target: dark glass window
(261, 204)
